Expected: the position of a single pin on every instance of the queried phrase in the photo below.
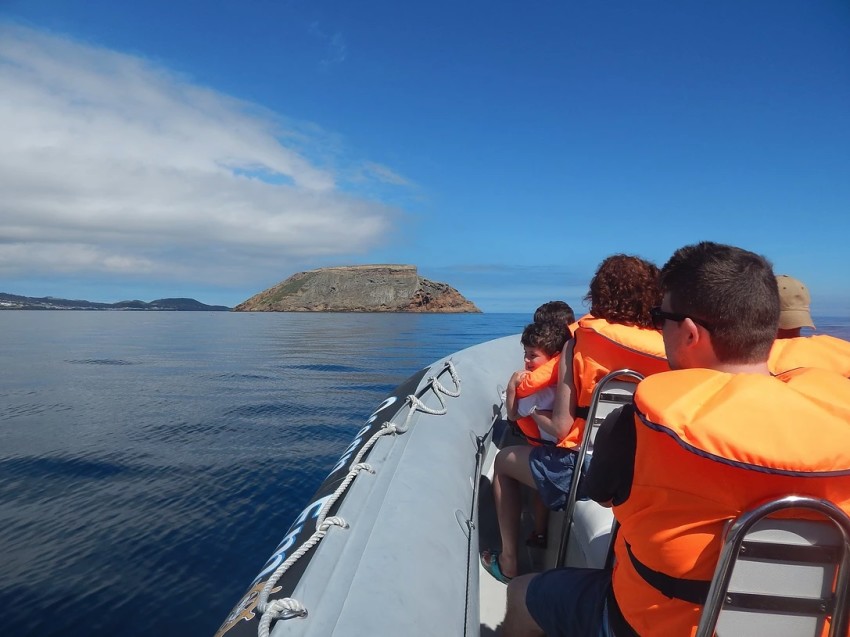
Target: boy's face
(534, 357)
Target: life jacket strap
(688, 590)
(539, 441)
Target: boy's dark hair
(557, 312)
(733, 290)
(547, 337)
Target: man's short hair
(733, 291)
(558, 312)
(547, 337)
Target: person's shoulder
(830, 341)
(644, 341)
(682, 389)
(821, 340)
(679, 377)
(826, 380)
(821, 350)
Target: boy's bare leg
(511, 470)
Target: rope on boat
(439, 389)
(289, 608)
(286, 608)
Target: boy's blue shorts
(552, 469)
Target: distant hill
(15, 302)
(359, 288)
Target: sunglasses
(658, 316)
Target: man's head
(794, 303)
(541, 341)
(557, 312)
(724, 300)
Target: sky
(212, 148)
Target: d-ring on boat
(389, 544)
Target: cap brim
(792, 319)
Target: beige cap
(794, 303)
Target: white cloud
(111, 164)
(382, 173)
(335, 48)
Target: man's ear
(693, 335)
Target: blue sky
(212, 148)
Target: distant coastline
(16, 302)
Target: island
(17, 302)
(359, 288)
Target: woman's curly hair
(624, 289)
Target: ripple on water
(237, 376)
(100, 361)
(61, 467)
(24, 410)
(324, 368)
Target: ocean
(150, 462)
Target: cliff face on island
(359, 288)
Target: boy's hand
(516, 378)
(510, 394)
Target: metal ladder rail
(717, 591)
(582, 453)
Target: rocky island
(359, 288)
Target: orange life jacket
(823, 351)
(544, 376)
(711, 445)
(602, 347)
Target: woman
(617, 333)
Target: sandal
(536, 540)
(492, 566)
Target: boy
(542, 342)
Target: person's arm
(543, 419)
(609, 478)
(510, 394)
(561, 420)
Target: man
(791, 350)
(794, 312)
(699, 445)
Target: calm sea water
(151, 462)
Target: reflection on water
(150, 462)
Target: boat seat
(610, 394)
(590, 536)
(781, 577)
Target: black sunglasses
(658, 317)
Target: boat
(390, 542)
